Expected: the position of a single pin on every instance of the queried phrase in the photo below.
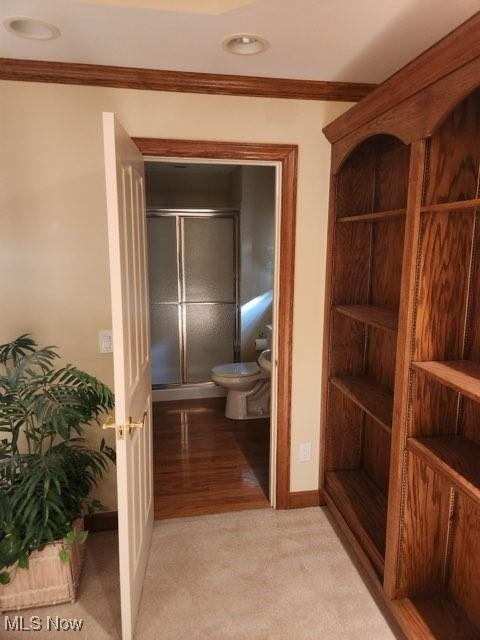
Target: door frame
(286, 156)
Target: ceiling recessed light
(245, 44)
(31, 28)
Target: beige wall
(53, 235)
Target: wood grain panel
(347, 346)
(424, 532)
(386, 263)
(434, 410)
(355, 182)
(464, 581)
(472, 342)
(454, 457)
(443, 286)
(391, 175)
(376, 454)
(469, 424)
(364, 508)
(380, 357)
(460, 375)
(344, 433)
(375, 400)
(439, 619)
(455, 155)
(351, 263)
(179, 81)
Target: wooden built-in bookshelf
(367, 265)
(401, 389)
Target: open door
(125, 182)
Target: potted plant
(47, 472)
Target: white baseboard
(188, 393)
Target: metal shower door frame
(180, 215)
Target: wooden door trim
(287, 155)
(180, 81)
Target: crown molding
(179, 81)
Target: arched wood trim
(340, 159)
(416, 117)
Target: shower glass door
(193, 268)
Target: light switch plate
(305, 452)
(105, 342)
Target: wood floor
(205, 463)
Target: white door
(125, 182)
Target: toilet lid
(237, 369)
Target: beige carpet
(253, 575)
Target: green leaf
(23, 561)
(4, 577)
(64, 555)
(70, 537)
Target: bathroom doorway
(211, 248)
(178, 444)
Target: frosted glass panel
(209, 259)
(165, 344)
(210, 333)
(162, 259)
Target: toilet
(248, 386)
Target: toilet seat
(237, 370)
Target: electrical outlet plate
(305, 452)
(105, 342)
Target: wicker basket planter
(47, 581)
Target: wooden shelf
(438, 618)
(374, 217)
(364, 508)
(374, 316)
(369, 396)
(461, 375)
(451, 206)
(455, 457)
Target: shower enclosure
(194, 291)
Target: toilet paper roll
(261, 344)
